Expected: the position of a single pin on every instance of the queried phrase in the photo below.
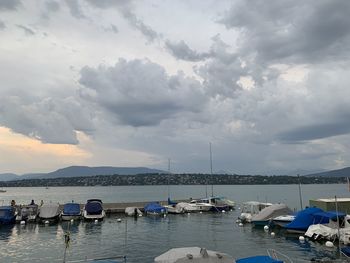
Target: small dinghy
(49, 213)
(193, 254)
(93, 210)
(7, 215)
(130, 211)
(71, 211)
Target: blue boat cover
(93, 208)
(7, 214)
(307, 217)
(258, 259)
(330, 215)
(346, 251)
(154, 208)
(71, 209)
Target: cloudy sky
(133, 83)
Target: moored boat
(93, 210)
(27, 213)
(304, 219)
(49, 213)
(251, 208)
(155, 209)
(7, 215)
(266, 215)
(193, 254)
(130, 211)
(281, 221)
(71, 211)
(200, 206)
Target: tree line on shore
(172, 179)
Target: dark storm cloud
(26, 30)
(181, 50)
(140, 93)
(294, 31)
(317, 131)
(75, 9)
(48, 120)
(9, 4)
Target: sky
(135, 83)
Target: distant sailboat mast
(211, 170)
(168, 178)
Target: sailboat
(173, 207)
(2, 190)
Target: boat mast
(338, 226)
(211, 170)
(168, 178)
(301, 200)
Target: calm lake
(147, 237)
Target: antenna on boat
(211, 170)
(301, 200)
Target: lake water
(146, 238)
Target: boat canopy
(272, 211)
(258, 259)
(94, 207)
(49, 210)
(307, 217)
(154, 207)
(71, 209)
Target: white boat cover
(188, 207)
(321, 230)
(193, 254)
(130, 211)
(49, 210)
(271, 212)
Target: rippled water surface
(147, 237)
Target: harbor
(144, 239)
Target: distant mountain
(9, 177)
(345, 172)
(304, 172)
(79, 171)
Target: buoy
(23, 222)
(272, 234)
(240, 224)
(47, 221)
(164, 215)
(72, 220)
(96, 221)
(238, 221)
(231, 210)
(329, 244)
(119, 220)
(188, 214)
(301, 238)
(223, 211)
(140, 215)
(266, 228)
(200, 212)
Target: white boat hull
(94, 217)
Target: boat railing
(279, 256)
